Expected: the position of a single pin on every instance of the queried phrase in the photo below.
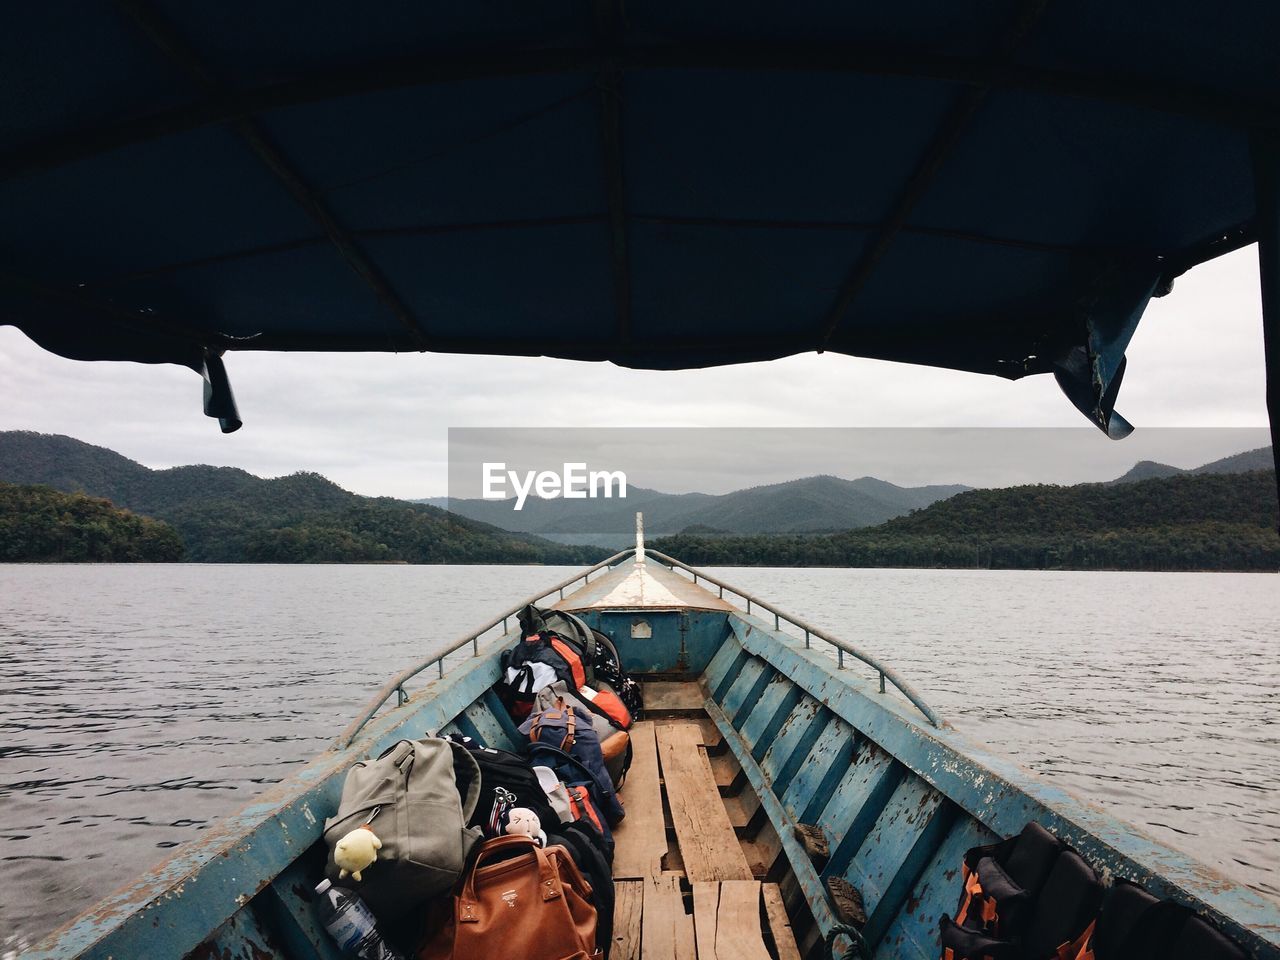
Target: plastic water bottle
(351, 924)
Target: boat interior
(698, 868)
(758, 729)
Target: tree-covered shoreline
(1183, 523)
(1188, 521)
(41, 525)
(228, 515)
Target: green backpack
(418, 807)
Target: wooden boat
(755, 721)
(995, 188)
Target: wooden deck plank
(738, 932)
(661, 696)
(728, 772)
(628, 907)
(784, 938)
(666, 930)
(708, 845)
(640, 840)
(706, 904)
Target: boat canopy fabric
(984, 185)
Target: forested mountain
(227, 515)
(808, 505)
(42, 524)
(811, 505)
(1201, 519)
(1259, 459)
(1189, 522)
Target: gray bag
(418, 807)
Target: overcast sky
(378, 424)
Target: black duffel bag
(507, 780)
(594, 860)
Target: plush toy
(356, 851)
(524, 822)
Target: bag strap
(1079, 948)
(548, 879)
(399, 748)
(589, 644)
(571, 722)
(524, 677)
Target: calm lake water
(140, 704)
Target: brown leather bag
(535, 906)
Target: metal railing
(842, 646)
(396, 684)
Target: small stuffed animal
(524, 822)
(355, 852)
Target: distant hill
(40, 524)
(809, 505)
(1259, 459)
(226, 515)
(1194, 521)
(1148, 470)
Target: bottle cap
(323, 885)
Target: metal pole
(1266, 176)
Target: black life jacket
(1002, 881)
(1029, 896)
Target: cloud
(377, 423)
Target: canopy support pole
(1266, 177)
(950, 131)
(608, 34)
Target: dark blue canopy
(992, 186)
